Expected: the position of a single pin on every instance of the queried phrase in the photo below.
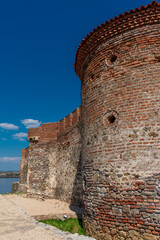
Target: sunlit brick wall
(119, 66)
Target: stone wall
(41, 170)
(68, 167)
(51, 165)
(119, 66)
(15, 187)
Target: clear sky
(38, 43)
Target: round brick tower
(119, 67)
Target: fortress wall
(69, 121)
(68, 167)
(76, 115)
(41, 180)
(54, 163)
(121, 129)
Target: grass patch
(71, 225)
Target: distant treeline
(9, 174)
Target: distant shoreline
(10, 174)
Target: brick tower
(119, 67)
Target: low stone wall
(22, 188)
(18, 187)
(15, 187)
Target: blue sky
(38, 44)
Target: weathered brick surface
(45, 133)
(119, 66)
(138, 18)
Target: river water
(6, 184)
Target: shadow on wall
(65, 180)
(76, 204)
(68, 167)
(23, 177)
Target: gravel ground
(17, 224)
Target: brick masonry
(119, 66)
(108, 150)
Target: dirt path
(49, 208)
(15, 224)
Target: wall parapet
(50, 131)
(43, 134)
(69, 121)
